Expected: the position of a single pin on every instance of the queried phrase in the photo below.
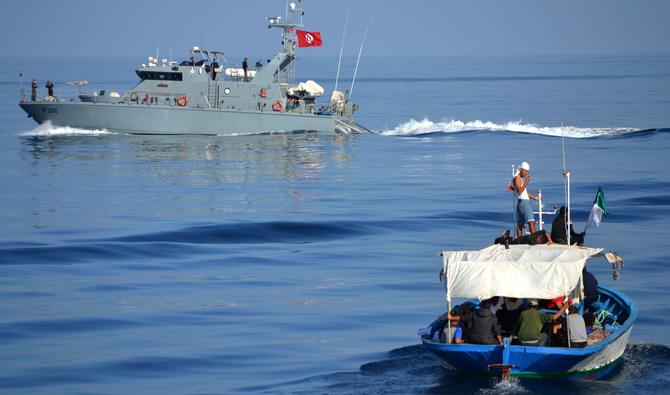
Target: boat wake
(413, 369)
(426, 126)
(48, 130)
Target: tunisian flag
(308, 39)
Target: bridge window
(159, 75)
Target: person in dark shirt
(215, 65)
(245, 67)
(558, 230)
(590, 288)
(508, 315)
(539, 237)
(33, 95)
(50, 88)
(481, 326)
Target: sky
(73, 28)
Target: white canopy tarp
(310, 87)
(522, 271)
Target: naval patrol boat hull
(137, 119)
(201, 96)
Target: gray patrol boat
(198, 96)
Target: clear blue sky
(419, 27)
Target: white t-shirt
(523, 195)
(577, 328)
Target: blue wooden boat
(614, 309)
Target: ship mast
(292, 20)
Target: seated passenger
(539, 237)
(572, 327)
(528, 328)
(558, 230)
(556, 303)
(508, 315)
(576, 328)
(481, 325)
(590, 288)
(453, 333)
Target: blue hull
(592, 362)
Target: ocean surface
(305, 263)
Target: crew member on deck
(50, 88)
(215, 65)
(33, 95)
(245, 67)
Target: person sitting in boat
(558, 230)
(573, 328)
(481, 325)
(556, 303)
(590, 288)
(508, 314)
(528, 329)
(440, 330)
(453, 333)
(539, 237)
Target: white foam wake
(425, 126)
(47, 129)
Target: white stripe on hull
(605, 356)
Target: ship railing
(153, 98)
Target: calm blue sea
(306, 263)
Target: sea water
(305, 263)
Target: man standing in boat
(524, 213)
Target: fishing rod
(360, 51)
(344, 33)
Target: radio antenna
(360, 51)
(339, 61)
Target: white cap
(524, 166)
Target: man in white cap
(524, 213)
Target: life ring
(277, 106)
(182, 101)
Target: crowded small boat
(527, 306)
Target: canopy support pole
(448, 321)
(568, 221)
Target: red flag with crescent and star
(308, 39)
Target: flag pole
(514, 198)
(566, 175)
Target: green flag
(598, 211)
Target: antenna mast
(344, 33)
(360, 51)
